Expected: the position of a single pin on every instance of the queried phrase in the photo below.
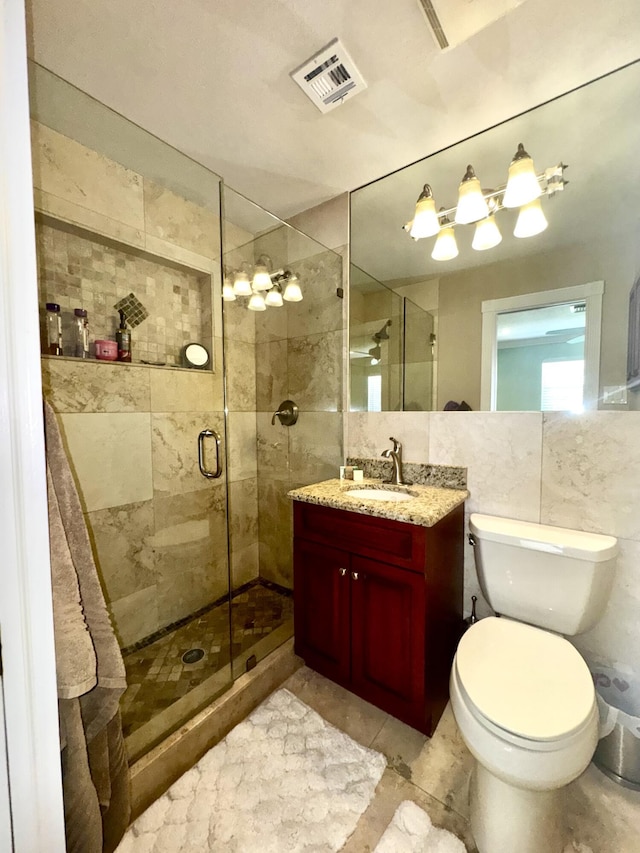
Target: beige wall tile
(240, 363)
(276, 532)
(175, 450)
(243, 513)
(245, 564)
(239, 322)
(272, 385)
(315, 447)
(321, 308)
(241, 452)
(184, 391)
(75, 214)
(368, 434)
(121, 538)
(111, 455)
(273, 447)
(64, 168)
(135, 616)
(315, 371)
(175, 219)
(328, 223)
(87, 386)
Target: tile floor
(157, 676)
(601, 816)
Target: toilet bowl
(522, 695)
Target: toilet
(522, 695)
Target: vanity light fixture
(274, 297)
(261, 276)
(252, 283)
(477, 206)
(241, 283)
(228, 293)
(257, 303)
(292, 292)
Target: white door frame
(591, 293)
(26, 623)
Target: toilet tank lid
(595, 547)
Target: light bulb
(241, 284)
(256, 303)
(445, 248)
(261, 278)
(274, 298)
(531, 220)
(522, 185)
(228, 293)
(472, 205)
(487, 234)
(292, 292)
(425, 221)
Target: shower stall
(183, 468)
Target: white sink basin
(379, 495)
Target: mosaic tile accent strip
(440, 476)
(133, 310)
(78, 270)
(156, 674)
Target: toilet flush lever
(472, 539)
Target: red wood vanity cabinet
(378, 606)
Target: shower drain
(193, 656)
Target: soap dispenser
(123, 338)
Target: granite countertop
(429, 505)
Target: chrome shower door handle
(209, 433)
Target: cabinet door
(321, 602)
(388, 638)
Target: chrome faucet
(396, 458)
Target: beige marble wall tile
(185, 257)
(590, 467)
(245, 565)
(76, 174)
(271, 325)
(276, 532)
(368, 434)
(182, 593)
(175, 450)
(243, 513)
(272, 383)
(185, 391)
(175, 219)
(502, 452)
(321, 308)
(315, 447)
(273, 447)
(240, 365)
(111, 456)
(239, 322)
(86, 386)
(135, 616)
(615, 637)
(315, 371)
(241, 455)
(124, 554)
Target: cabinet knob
(343, 572)
(355, 575)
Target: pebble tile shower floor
(156, 674)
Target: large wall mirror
(529, 323)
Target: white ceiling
(211, 77)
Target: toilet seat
(524, 680)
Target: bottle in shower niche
(54, 329)
(123, 339)
(81, 332)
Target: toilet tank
(552, 577)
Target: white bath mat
(411, 831)
(282, 781)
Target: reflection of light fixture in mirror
(531, 220)
(425, 221)
(446, 247)
(241, 284)
(274, 297)
(257, 303)
(292, 292)
(228, 293)
(472, 205)
(261, 278)
(522, 184)
(487, 234)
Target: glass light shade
(257, 303)
(227, 292)
(522, 185)
(446, 248)
(425, 221)
(274, 298)
(241, 284)
(261, 278)
(472, 205)
(487, 234)
(292, 292)
(531, 220)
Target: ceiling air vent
(329, 77)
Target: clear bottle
(81, 329)
(54, 329)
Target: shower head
(382, 335)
